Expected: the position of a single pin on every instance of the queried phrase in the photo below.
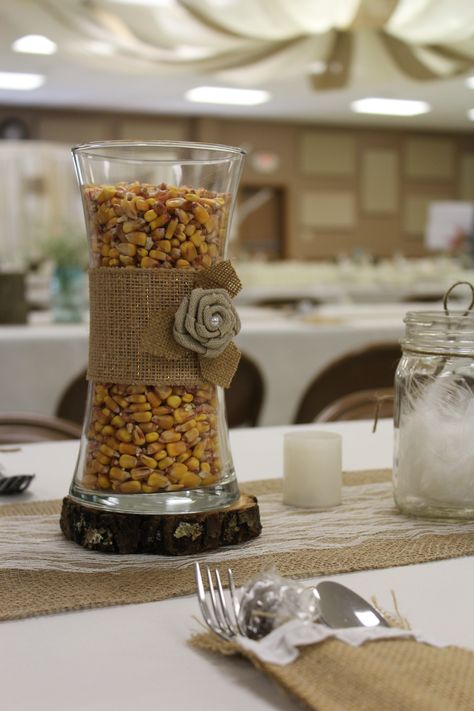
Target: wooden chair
(361, 405)
(72, 405)
(370, 367)
(26, 427)
(243, 399)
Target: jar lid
(438, 332)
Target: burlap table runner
(42, 573)
(386, 675)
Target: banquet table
(40, 359)
(137, 656)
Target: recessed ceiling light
(104, 49)
(390, 107)
(184, 51)
(318, 67)
(224, 95)
(20, 82)
(150, 3)
(470, 82)
(470, 114)
(34, 44)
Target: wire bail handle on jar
(451, 288)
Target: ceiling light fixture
(149, 3)
(34, 44)
(20, 82)
(318, 67)
(470, 114)
(224, 95)
(103, 49)
(390, 107)
(470, 82)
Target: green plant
(66, 250)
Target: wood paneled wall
(343, 188)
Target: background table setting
(118, 653)
(269, 337)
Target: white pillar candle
(312, 474)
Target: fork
(15, 484)
(222, 614)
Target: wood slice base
(165, 534)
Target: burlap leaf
(220, 371)
(220, 276)
(158, 336)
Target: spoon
(342, 607)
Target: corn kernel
(140, 473)
(153, 399)
(102, 458)
(149, 462)
(118, 474)
(137, 238)
(190, 480)
(150, 215)
(165, 462)
(148, 263)
(173, 401)
(193, 464)
(130, 487)
(157, 480)
(117, 421)
(127, 461)
(124, 435)
(178, 470)
(170, 436)
(142, 416)
(125, 448)
(192, 434)
(108, 451)
(165, 422)
(136, 398)
(176, 448)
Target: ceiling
(79, 76)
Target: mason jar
(433, 472)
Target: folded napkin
(389, 674)
(281, 645)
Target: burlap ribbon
(163, 326)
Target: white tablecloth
(136, 656)
(39, 360)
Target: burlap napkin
(387, 675)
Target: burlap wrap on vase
(131, 318)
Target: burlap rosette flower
(204, 323)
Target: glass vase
(154, 211)
(434, 416)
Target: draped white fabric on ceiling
(252, 41)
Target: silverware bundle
(268, 600)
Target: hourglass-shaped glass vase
(155, 438)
